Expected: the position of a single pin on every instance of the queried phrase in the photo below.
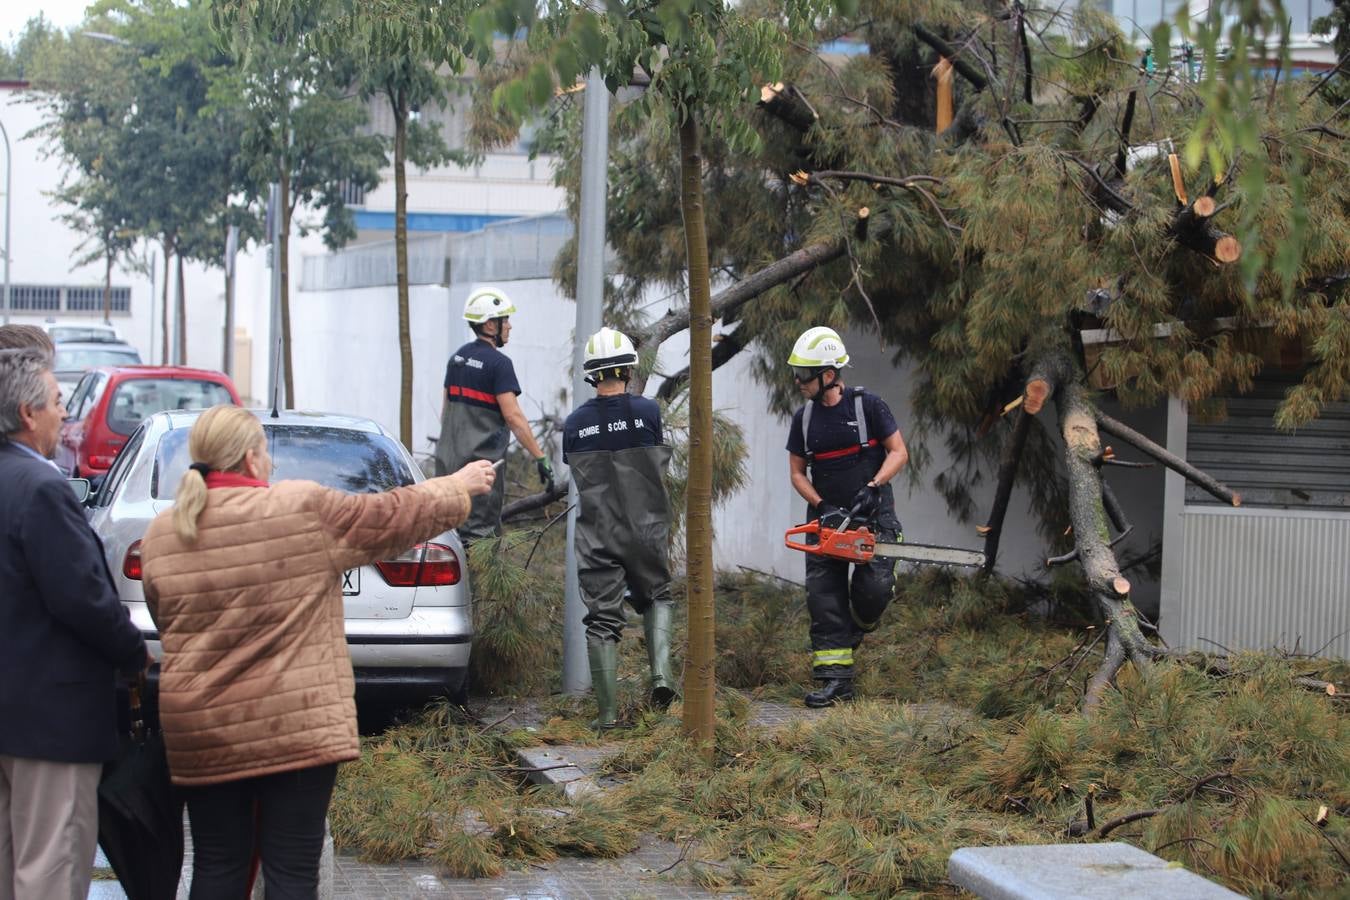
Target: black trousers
(283, 813)
(840, 603)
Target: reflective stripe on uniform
(842, 656)
(470, 394)
(864, 442)
(847, 451)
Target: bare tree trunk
(398, 100)
(1110, 590)
(283, 260)
(700, 665)
(182, 314)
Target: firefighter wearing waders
(843, 450)
(614, 446)
(481, 411)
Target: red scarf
(231, 480)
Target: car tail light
(426, 565)
(131, 563)
(107, 452)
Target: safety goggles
(803, 374)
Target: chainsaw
(859, 545)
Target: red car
(110, 401)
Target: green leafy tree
(17, 61)
(697, 59)
(303, 128)
(404, 55)
(977, 254)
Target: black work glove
(545, 469)
(867, 502)
(830, 516)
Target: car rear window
(69, 358)
(357, 462)
(133, 400)
(80, 333)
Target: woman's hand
(476, 478)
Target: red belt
(847, 451)
(481, 396)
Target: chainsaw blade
(926, 553)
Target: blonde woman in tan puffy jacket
(256, 694)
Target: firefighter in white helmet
(843, 450)
(614, 446)
(481, 411)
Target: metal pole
(176, 336)
(9, 232)
(274, 328)
(576, 674)
(231, 249)
(153, 262)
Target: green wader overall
(622, 538)
(468, 433)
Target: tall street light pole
(9, 232)
(576, 675)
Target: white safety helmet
(819, 348)
(608, 348)
(487, 303)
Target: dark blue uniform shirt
(477, 373)
(834, 430)
(612, 423)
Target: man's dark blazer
(63, 632)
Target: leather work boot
(656, 626)
(830, 692)
(604, 659)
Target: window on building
(35, 297)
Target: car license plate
(351, 582)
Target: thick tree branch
(1049, 372)
(536, 501)
(1007, 474)
(789, 105)
(728, 301)
(722, 352)
(1027, 75)
(1091, 533)
(1114, 511)
(1193, 228)
(965, 69)
(1111, 826)
(1123, 151)
(1172, 461)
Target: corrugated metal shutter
(1308, 469)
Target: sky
(15, 13)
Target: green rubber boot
(604, 657)
(656, 626)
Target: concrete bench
(1111, 871)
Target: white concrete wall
(347, 361)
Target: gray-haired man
(63, 633)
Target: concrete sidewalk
(655, 870)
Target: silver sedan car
(409, 619)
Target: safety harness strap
(863, 441)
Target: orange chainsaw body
(857, 545)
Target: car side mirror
(81, 488)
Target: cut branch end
(1038, 391)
